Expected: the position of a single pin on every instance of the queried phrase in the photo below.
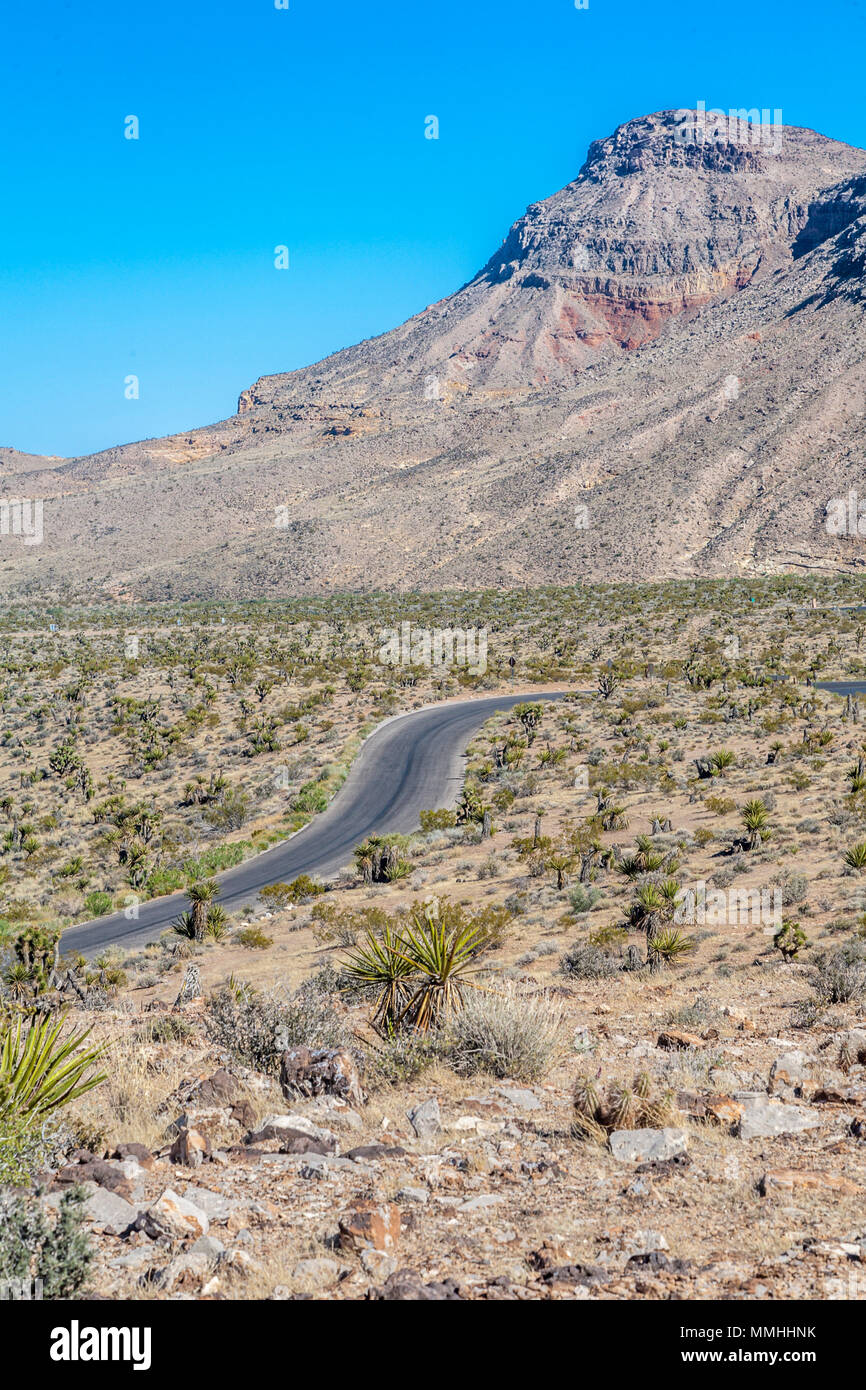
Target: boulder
(426, 1119)
(174, 1218)
(647, 1145)
(370, 1226)
(330, 1071)
(765, 1119)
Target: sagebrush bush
(34, 1247)
(257, 1027)
(839, 977)
(589, 963)
(505, 1033)
(583, 899)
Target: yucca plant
(723, 760)
(856, 856)
(41, 1071)
(217, 923)
(442, 955)
(668, 945)
(381, 965)
(201, 895)
(755, 822)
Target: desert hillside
(659, 373)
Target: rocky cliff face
(673, 339)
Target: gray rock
(320, 1273)
(647, 1145)
(520, 1097)
(137, 1259)
(482, 1202)
(109, 1212)
(273, 1125)
(209, 1246)
(216, 1205)
(426, 1119)
(175, 1218)
(414, 1194)
(764, 1119)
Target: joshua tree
(755, 822)
(530, 717)
(201, 895)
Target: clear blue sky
(305, 127)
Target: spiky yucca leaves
(380, 964)
(43, 1071)
(667, 945)
(635, 1106)
(756, 822)
(442, 955)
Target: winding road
(409, 763)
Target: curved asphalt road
(409, 763)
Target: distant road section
(411, 763)
(842, 687)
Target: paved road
(410, 763)
(842, 687)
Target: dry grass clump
(507, 1033)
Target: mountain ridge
(669, 342)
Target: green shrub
(96, 904)
(301, 889)
(33, 1247)
(438, 820)
(254, 939)
(583, 899)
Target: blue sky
(304, 127)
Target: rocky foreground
(486, 1194)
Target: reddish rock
(787, 1179)
(674, 1039)
(370, 1226)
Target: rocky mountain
(659, 373)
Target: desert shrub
(32, 1246)
(311, 799)
(437, 820)
(167, 1029)
(254, 939)
(402, 1058)
(720, 805)
(504, 1033)
(257, 1027)
(839, 977)
(587, 962)
(230, 812)
(333, 926)
(96, 904)
(300, 890)
(699, 1014)
(583, 899)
